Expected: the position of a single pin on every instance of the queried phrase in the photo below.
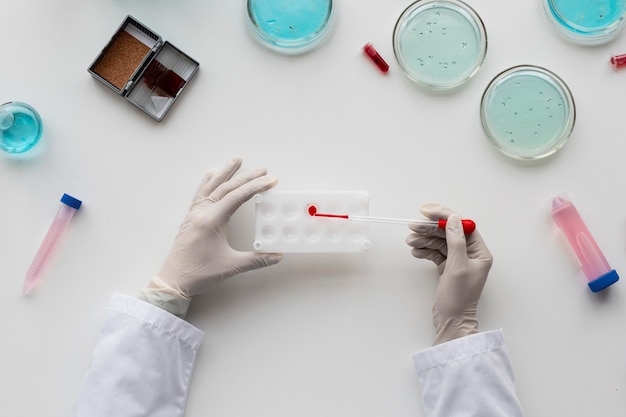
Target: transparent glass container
(20, 127)
(527, 112)
(290, 27)
(586, 22)
(439, 44)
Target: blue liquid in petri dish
(527, 112)
(290, 25)
(587, 21)
(439, 44)
(20, 127)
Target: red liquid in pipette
(313, 212)
(468, 225)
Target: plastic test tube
(594, 265)
(59, 224)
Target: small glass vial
(20, 127)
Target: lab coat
(144, 357)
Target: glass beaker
(20, 127)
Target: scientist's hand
(463, 263)
(201, 254)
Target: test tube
(594, 265)
(68, 207)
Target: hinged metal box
(138, 65)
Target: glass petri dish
(439, 44)
(289, 26)
(527, 112)
(586, 22)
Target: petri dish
(586, 22)
(290, 26)
(527, 112)
(439, 44)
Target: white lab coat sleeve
(468, 377)
(141, 364)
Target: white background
(317, 334)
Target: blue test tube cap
(71, 201)
(603, 281)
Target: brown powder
(121, 59)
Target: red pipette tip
(375, 56)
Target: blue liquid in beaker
(288, 23)
(20, 127)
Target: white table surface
(322, 334)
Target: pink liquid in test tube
(594, 265)
(68, 207)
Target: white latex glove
(201, 254)
(463, 263)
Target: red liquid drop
(312, 210)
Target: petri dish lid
(290, 27)
(527, 112)
(586, 22)
(439, 44)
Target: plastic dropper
(59, 224)
(468, 225)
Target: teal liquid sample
(587, 21)
(440, 45)
(290, 23)
(588, 14)
(20, 127)
(527, 113)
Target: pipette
(468, 225)
(59, 224)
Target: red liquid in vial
(375, 56)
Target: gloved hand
(201, 255)
(463, 263)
